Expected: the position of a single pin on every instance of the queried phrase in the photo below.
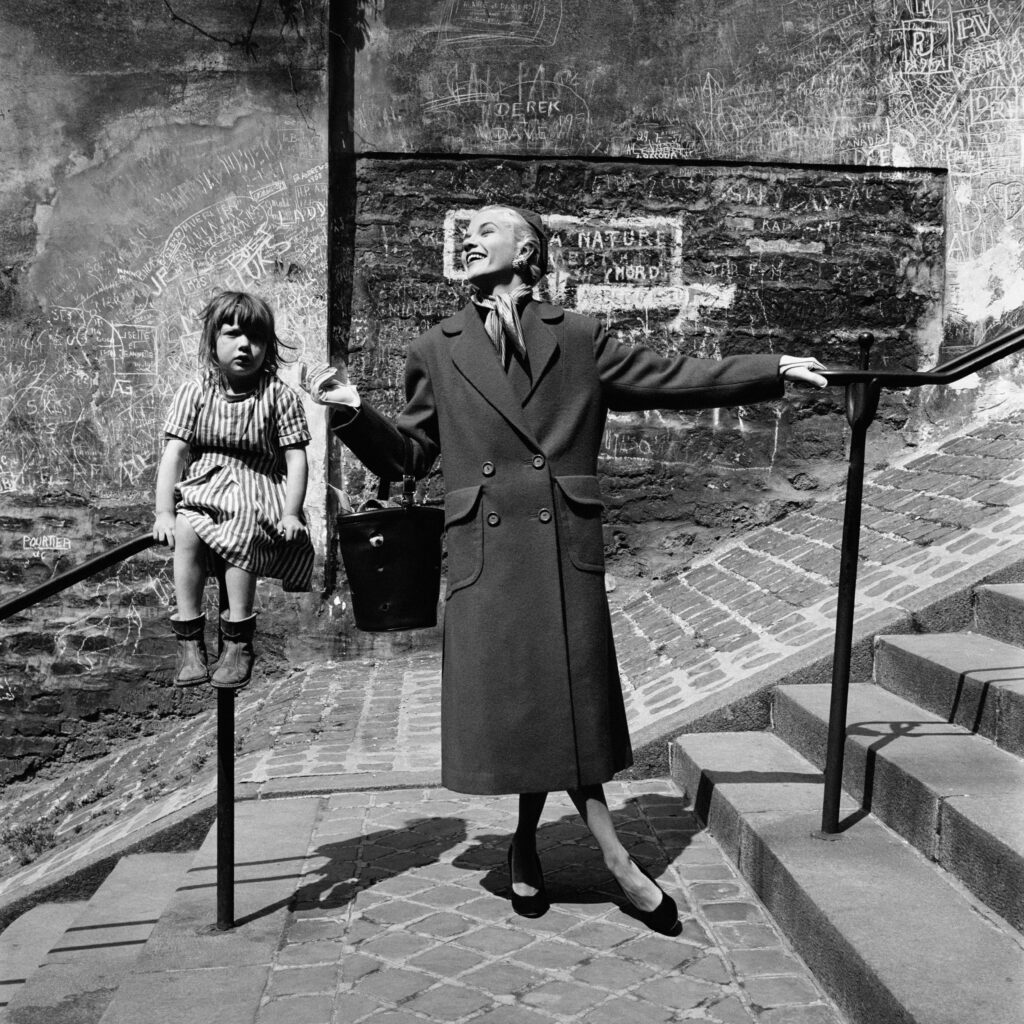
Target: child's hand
(327, 386)
(163, 528)
(291, 527)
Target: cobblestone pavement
(402, 917)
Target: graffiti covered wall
(711, 261)
(891, 83)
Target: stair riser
(999, 613)
(989, 869)
(905, 805)
(925, 818)
(968, 702)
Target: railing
(863, 388)
(225, 716)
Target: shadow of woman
(336, 872)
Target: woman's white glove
(327, 385)
(801, 369)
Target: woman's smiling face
(489, 246)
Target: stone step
(187, 966)
(25, 943)
(969, 679)
(888, 934)
(955, 796)
(999, 611)
(82, 969)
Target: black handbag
(392, 557)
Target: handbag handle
(408, 480)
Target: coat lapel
(474, 357)
(540, 325)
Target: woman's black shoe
(528, 906)
(664, 918)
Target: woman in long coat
(514, 393)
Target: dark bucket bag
(392, 557)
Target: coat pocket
(580, 511)
(464, 536)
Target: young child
(231, 485)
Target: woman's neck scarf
(501, 320)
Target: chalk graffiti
(507, 21)
(85, 394)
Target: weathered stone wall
(709, 261)
(150, 155)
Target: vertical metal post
(225, 809)
(346, 34)
(861, 403)
(225, 789)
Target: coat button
(538, 462)
(493, 519)
(544, 515)
(487, 469)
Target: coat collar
(473, 354)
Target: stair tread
(902, 928)
(26, 941)
(81, 968)
(948, 758)
(965, 650)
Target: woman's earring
(520, 262)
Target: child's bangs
(254, 318)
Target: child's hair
(252, 314)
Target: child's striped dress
(233, 488)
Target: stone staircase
(915, 912)
(144, 949)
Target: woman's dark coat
(531, 699)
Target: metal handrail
(863, 388)
(225, 715)
(75, 575)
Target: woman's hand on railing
(163, 529)
(801, 370)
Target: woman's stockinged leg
(593, 808)
(526, 878)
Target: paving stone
(494, 941)
(399, 945)
(393, 984)
(446, 960)
(317, 1009)
(784, 990)
(614, 973)
(446, 1002)
(443, 925)
(679, 993)
(511, 1015)
(731, 1010)
(800, 1015)
(564, 997)
(747, 912)
(298, 980)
